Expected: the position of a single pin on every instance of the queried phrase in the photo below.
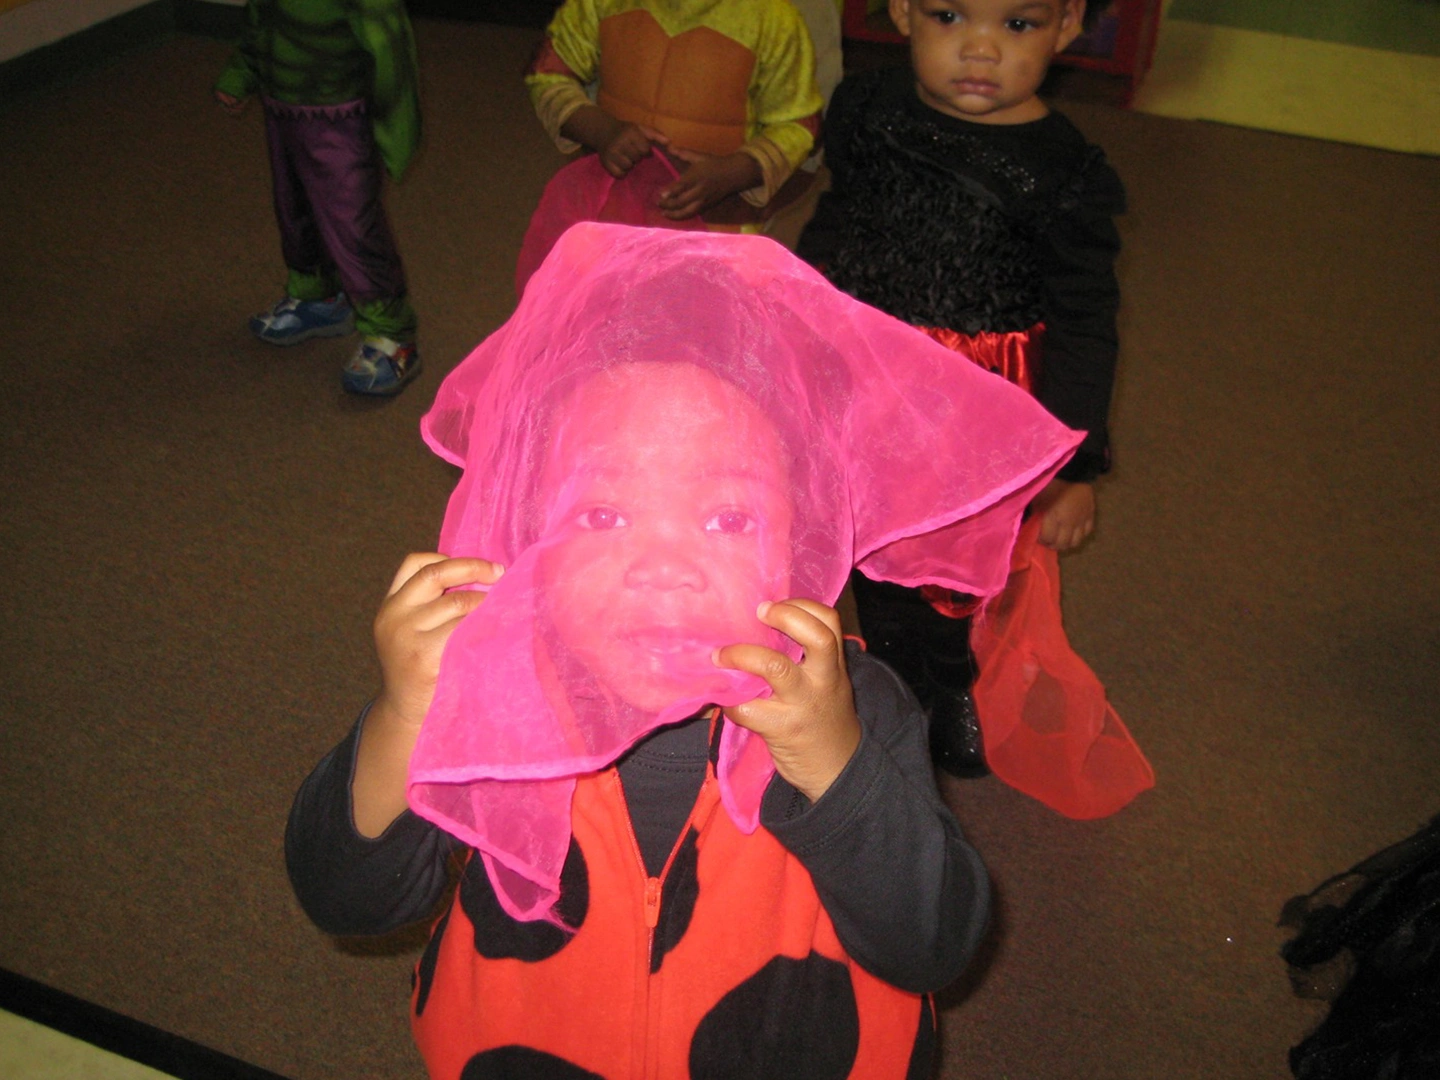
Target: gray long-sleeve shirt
(908, 896)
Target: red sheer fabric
(672, 428)
(1049, 730)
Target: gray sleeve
(351, 885)
(909, 897)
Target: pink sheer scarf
(672, 428)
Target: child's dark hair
(1093, 10)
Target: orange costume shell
(760, 976)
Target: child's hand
(809, 721)
(416, 619)
(1068, 512)
(413, 624)
(629, 144)
(229, 102)
(708, 180)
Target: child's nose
(665, 567)
(978, 43)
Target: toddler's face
(984, 60)
(669, 522)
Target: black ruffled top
(944, 222)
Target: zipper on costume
(654, 891)
(653, 885)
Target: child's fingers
(681, 200)
(774, 667)
(426, 589)
(654, 135)
(446, 611)
(811, 625)
(431, 574)
(1049, 534)
(410, 567)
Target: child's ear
(900, 15)
(1072, 18)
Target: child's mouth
(667, 643)
(980, 87)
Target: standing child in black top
(961, 203)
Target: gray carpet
(196, 530)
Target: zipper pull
(652, 902)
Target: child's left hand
(1068, 514)
(708, 180)
(809, 722)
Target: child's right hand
(809, 720)
(629, 144)
(229, 102)
(419, 613)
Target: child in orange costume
(726, 87)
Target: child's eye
(731, 522)
(1018, 26)
(944, 18)
(600, 518)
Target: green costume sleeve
(240, 78)
(383, 30)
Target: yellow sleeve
(556, 98)
(784, 101)
(775, 169)
(567, 60)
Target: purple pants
(327, 177)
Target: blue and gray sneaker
(381, 366)
(292, 321)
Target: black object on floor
(1368, 942)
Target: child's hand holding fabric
(1067, 511)
(417, 617)
(809, 721)
(707, 181)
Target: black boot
(931, 652)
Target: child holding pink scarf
(700, 832)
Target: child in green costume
(337, 79)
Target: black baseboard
(119, 1034)
(87, 49)
(531, 13)
(221, 21)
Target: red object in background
(1122, 41)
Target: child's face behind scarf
(669, 522)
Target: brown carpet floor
(196, 529)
